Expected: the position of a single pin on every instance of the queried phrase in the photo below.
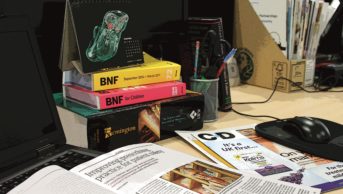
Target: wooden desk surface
(282, 105)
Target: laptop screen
(25, 111)
(28, 115)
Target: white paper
(310, 170)
(273, 14)
(54, 179)
(130, 167)
(148, 169)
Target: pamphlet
(242, 149)
(148, 168)
(273, 14)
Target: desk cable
(317, 90)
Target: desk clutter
(100, 71)
(119, 94)
(119, 99)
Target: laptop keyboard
(68, 160)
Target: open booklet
(242, 149)
(148, 168)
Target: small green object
(106, 37)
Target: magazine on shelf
(148, 168)
(242, 149)
(273, 14)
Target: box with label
(146, 122)
(259, 57)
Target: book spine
(126, 96)
(135, 77)
(81, 95)
(73, 77)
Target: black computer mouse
(309, 129)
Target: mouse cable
(264, 101)
(293, 84)
(260, 102)
(256, 116)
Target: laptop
(31, 135)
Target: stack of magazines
(295, 25)
(306, 21)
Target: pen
(197, 46)
(227, 58)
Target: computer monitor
(47, 17)
(31, 118)
(331, 40)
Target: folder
(259, 58)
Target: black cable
(276, 84)
(261, 102)
(255, 116)
(313, 91)
(227, 44)
(294, 84)
(325, 84)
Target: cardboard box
(259, 58)
(146, 122)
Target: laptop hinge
(45, 149)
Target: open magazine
(242, 149)
(148, 168)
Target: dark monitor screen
(25, 111)
(47, 16)
(331, 40)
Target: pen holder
(209, 88)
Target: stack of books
(153, 80)
(121, 99)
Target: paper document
(148, 169)
(242, 149)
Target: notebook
(31, 135)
